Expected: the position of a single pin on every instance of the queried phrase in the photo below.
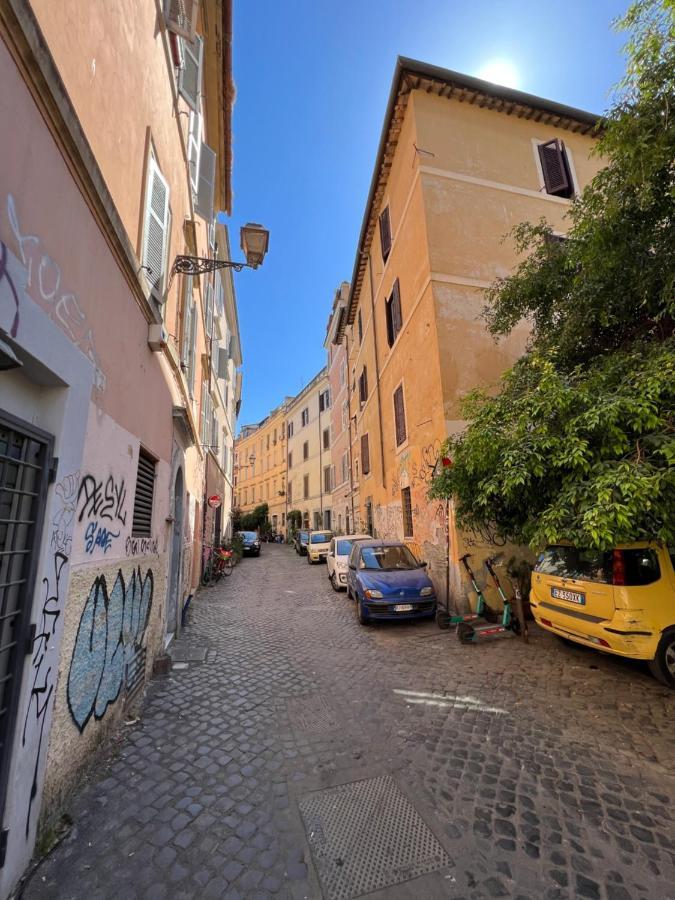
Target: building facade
(108, 377)
(460, 163)
(309, 480)
(344, 500)
(260, 466)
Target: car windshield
(249, 535)
(387, 558)
(321, 537)
(343, 548)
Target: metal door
(25, 463)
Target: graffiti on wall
(43, 282)
(98, 536)
(110, 635)
(138, 546)
(6, 277)
(44, 676)
(104, 500)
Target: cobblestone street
(503, 769)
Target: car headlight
(426, 592)
(374, 595)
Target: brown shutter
(555, 169)
(385, 233)
(360, 324)
(399, 415)
(365, 384)
(365, 454)
(144, 496)
(396, 317)
(390, 321)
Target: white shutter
(155, 232)
(208, 312)
(207, 178)
(187, 325)
(181, 17)
(190, 76)
(193, 340)
(194, 144)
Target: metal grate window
(25, 457)
(407, 513)
(145, 492)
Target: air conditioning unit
(158, 337)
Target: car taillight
(547, 623)
(618, 568)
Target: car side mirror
(423, 564)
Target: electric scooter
(507, 626)
(444, 619)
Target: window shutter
(190, 76)
(192, 348)
(187, 328)
(360, 327)
(399, 415)
(194, 145)
(207, 180)
(223, 363)
(155, 235)
(554, 168)
(181, 17)
(365, 454)
(208, 311)
(385, 233)
(390, 320)
(143, 498)
(396, 317)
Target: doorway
(173, 594)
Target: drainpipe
(377, 370)
(320, 464)
(349, 426)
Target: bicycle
(219, 562)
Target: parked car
(318, 545)
(388, 582)
(338, 558)
(251, 542)
(300, 542)
(619, 601)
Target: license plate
(570, 596)
(403, 607)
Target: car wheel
(442, 619)
(360, 615)
(662, 666)
(309, 560)
(333, 582)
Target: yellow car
(619, 601)
(318, 545)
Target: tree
(578, 444)
(254, 520)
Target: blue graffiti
(111, 631)
(98, 536)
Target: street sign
(215, 501)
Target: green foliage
(236, 544)
(578, 445)
(255, 520)
(294, 520)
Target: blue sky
(313, 78)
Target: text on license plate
(570, 596)
(403, 607)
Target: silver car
(338, 554)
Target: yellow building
(260, 467)
(461, 161)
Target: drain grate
(312, 713)
(366, 836)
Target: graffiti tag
(142, 546)
(111, 632)
(98, 536)
(105, 501)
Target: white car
(338, 554)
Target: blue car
(388, 582)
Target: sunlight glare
(500, 71)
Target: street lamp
(254, 242)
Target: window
(194, 143)
(155, 247)
(289, 490)
(327, 480)
(399, 416)
(206, 414)
(327, 519)
(359, 322)
(190, 76)
(144, 497)
(290, 429)
(305, 450)
(406, 505)
(369, 515)
(304, 417)
(208, 309)
(290, 460)
(305, 487)
(393, 311)
(343, 370)
(253, 494)
(345, 468)
(385, 233)
(365, 454)
(268, 442)
(205, 183)
(345, 415)
(324, 401)
(555, 168)
(363, 386)
(181, 17)
(225, 454)
(326, 438)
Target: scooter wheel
(465, 633)
(442, 619)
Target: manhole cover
(365, 836)
(312, 713)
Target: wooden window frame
(385, 233)
(406, 510)
(393, 314)
(400, 424)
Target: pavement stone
(545, 771)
